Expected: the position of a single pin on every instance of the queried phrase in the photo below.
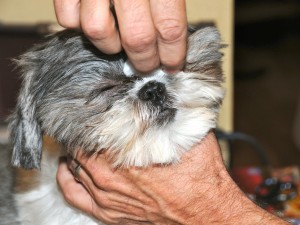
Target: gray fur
(83, 99)
(69, 69)
(70, 87)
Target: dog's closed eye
(106, 93)
(97, 92)
(112, 89)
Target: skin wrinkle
(163, 208)
(172, 32)
(89, 15)
(93, 20)
(137, 204)
(148, 205)
(170, 22)
(98, 23)
(142, 211)
(138, 43)
(127, 207)
(123, 208)
(136, 40)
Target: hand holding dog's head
(82, 98)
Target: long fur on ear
(203, 55)
(26, 134)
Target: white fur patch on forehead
(129, 70)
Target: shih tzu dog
(92, 101)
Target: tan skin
(198, 190)
(152, 32)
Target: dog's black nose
(153, 91)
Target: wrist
(227, 205)
(212, 197)
(231, 206)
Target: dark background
(266, 77)
(267, 80)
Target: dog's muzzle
(155, 95)
(153, 91)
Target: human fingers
(138, 34)
(78, 196)
(170, 21)
(99, 25)
(107, 185)
(67, 13)
(94, 18)
(74, 193)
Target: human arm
(198, 190)
(151, 32)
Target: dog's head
(82, 98)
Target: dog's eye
(99, 91)
(103, 89)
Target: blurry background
(267, 79)
(263, 83)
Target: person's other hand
(156, 195)
(152, 32)
(198, 190)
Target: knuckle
(104, 201)
(111, 217)
(93, 31)
(172, 62)
(103, 181)
(105, 216)
(138, 41)
(171, 30)
(96, 30)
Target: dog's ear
(26, 134)
(203, 55)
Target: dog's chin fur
(83, 99)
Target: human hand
(198, 190)
(152, 32)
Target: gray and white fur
(82, 98)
